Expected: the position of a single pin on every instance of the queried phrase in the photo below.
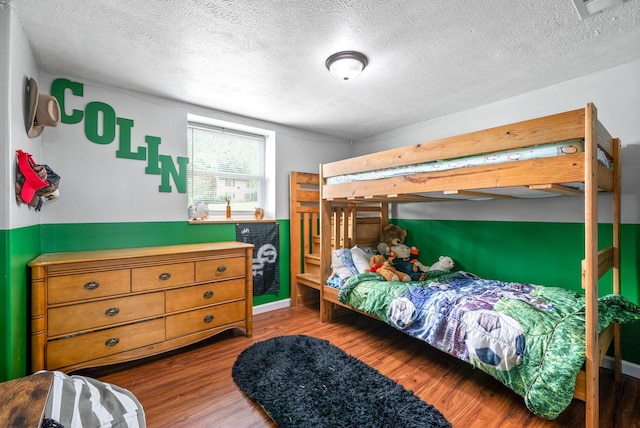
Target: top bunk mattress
(534, 152)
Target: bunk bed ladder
(304, 238)
(351, 224)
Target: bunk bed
(591, 169)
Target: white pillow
(338, 264)
(360, 259)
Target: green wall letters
(97, 113)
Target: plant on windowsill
(227, 198)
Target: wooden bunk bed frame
(339, 224)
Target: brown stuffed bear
(382, 267)
(391, 234)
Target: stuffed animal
(382, 267)
(405, 259)
(199, 211)
(383, 248)
(444, 264)
(391, 234)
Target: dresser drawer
(85, 347)
(205, 318)
(72, 288)
(156, 277)
(85, 316)
(211, 270)
(201, 295)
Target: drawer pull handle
(112, 342)
(208, 318)
(91, 285)
(208, 294)
(221, 268)
(164, 276)
(111, 312)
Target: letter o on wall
(94, 111)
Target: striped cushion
(78, 401)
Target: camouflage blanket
(529, 337)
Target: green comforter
(531, 338)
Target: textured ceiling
(265, 58)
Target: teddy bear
(444, 264)
(391, 234)
(382, 267)
(405, 259)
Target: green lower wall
(543, 253)
(20, 246)
(23, 245)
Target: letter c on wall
(57, 90)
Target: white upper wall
(616, 94)
(5, 28)
(17, 65)
(97, 187)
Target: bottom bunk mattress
(529, 337)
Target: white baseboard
(630, 369)
(285, 303)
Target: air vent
(586, 8)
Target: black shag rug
(303, 381)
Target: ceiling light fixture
(586, 8)
(346, 65)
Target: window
(225, 163)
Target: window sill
(224, 220)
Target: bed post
(590, 273)
(326, 307)
(617, 219)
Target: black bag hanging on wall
(266, 265)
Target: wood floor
(193, 387)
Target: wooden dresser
(94, 308)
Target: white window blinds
(225, 163)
